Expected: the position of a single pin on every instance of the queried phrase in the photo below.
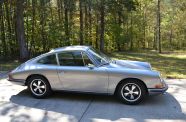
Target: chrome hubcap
(38, 87)
(131, 92)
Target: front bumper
(17, 81)
(154, 91)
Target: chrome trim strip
(17, 81)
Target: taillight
(10, 76)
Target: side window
(70, 59)
(66, 59)
(86, 59)
(51, 59)
(78, 58)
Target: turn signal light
(158, 86)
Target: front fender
(150, 78)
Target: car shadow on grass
(86, 107)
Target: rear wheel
(131, 92)
(39, 87)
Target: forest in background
(31, 27)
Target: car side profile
(84, 69)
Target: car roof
(69, 48)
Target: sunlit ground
(17, 105)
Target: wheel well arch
(126, 79)
(34, 75)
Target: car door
(75, 74)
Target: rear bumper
(17, 81)
(153, 91)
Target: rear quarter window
(50, 60)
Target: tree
(108, 25)
(66, 22)
(3, 31)
(102, 24)
(81, 22)
(33, 25)
(20, 33)
(158, 27)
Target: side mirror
(90, 66)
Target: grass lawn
(171, 65)
(8, 65)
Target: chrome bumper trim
(154, 91)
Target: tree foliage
(107, 25)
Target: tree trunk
(59, 10)
(144, 28)
(4, 44)
(9, 27)
(97, 29)
(42, 23)
(66, 23)
(86, 24)
(27, 24)
(81, 22)
(119, 23)
(158, 27)
(102, 25)
(20, 33)
(90, 22)
(32, 43)
(171, 35)
(131, 32)
(155, 39)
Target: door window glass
(70, 59)
(87, 60)
(78, 59)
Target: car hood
(130, 64)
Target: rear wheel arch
(35, 75)
(127, 79)
(38, 85)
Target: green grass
(8, 65)
(170, 64)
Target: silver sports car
(84, 69)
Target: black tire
(131, 91)
(39, 87)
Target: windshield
(99, 56)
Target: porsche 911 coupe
(84, 69)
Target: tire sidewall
(48, 88)
(138, 83)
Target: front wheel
(131, 92)
(39, 87)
